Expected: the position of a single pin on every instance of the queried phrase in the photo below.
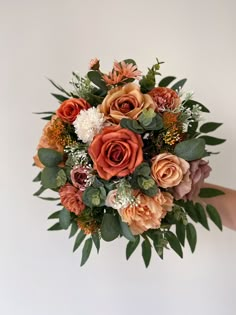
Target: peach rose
(49, 138)
(168, 170)
(111, 199)
(71, 198)
(165, 98)
(143, 215)
(116, 151)
(166, 201)
(125, 102)
(70, 108)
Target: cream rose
(168, 170)
(125, 102)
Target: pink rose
(79, 176)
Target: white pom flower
(88, 123)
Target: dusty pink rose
(184, 187)
(111, 199)
(168, 170)
(94, 64)
(79, 176)
(71, 198)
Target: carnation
(88, 123)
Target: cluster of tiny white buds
(124, 196)
(78, 157)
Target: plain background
(39, 274)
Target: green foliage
(147, 83)
(49, 177)
(40, 191)
(209, 127)
(64, 218)
(179, 85)
(60, 88)
(96, 240)
(191, 236)
(79, 239)
(55, 227)
(214, 216)
(132, 125)
(212, 140)
(94, 197)
(146, 252)
(73, 229)
(131, 246)
(191, 103)
(181, 232)
(37, 178)
(54, 215)
(59, 97)
(110, 228)
(166, 81)
(210, 192)
(192, 149)
(201, 214)
(61, 178)
(49, 157)
(125, 230)
(174, 243)
(96, 78)
(86, 251)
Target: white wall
(39, 275)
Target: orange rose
(70, 108)
(168, 170)
(71, 198)
(166, 201)
(125, 102)
(145, 214)
(165, 98)
(116, 152)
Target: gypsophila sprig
(126, 153)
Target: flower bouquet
(126, 155)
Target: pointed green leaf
(189, 208)
(191, 236)
(190, 150)
(55, 227)
(146, 252)
(125, 230)
(131, 246)
(191, 103)
(212, 140)
(49, 198)
(57, 86)
(214, 216)
(210, 192)
(79, 239)
(96, 240)
(54, 215)
(37, 178)
(40, 191)
(110, 228)
(49, 157)
(59, 97)
(74, 229)
(209, 127)
(201, 214)
(174, 243)
(132, 125)
(96, 78)
(180, 232)
(49, 177)
(166, 81)
(86, 251)
(64, 218)
(179, 85)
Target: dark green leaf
(146, 252)
(86, 251)
(47, 117)
(43, 113)
(59, 97)
(166, 81)
(74, 229)
(191, 236)
(212, 140)
(190, 104)
(64, 218)
(132, 125)
(57, 86)
(125, 230)
(156, 123)
(189, 208)
(37, 178)
(174, 243)
(79, 239)
(96, 78)
(201, 214)
(180, 232)
(49, 198)
(190, 150)
(110, 228)
(55, 227)
(49, 157)
(96, 240)
(54, 215)
(210, 192)
(49, 177)
(40, 191)
(209, 127)
(179, 85)
(131, 246)
(214, 216)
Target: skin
(225, 204)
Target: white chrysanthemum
(88, 123)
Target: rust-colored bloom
(116, 151)
(71, 198)
(70, 108)
(165, 98)
(168, 170)
(125, 102)
(143, 215)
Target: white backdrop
(50, 38)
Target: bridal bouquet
(126, 155)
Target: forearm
(225, 204)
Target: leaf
(190, 150)
(191, 236)
(49, 157)
(189, 208)
(49, 177)
(110, 228)
(210, 192)
(79, 239)
(55, 227)
(59, 97)
(42, 113)
(54, 215)
(179, 85)
(146, 252)
(214, 216)
(57, 86)
(191, 103)
(201, 214)
(174, 243)
(166, 81)
(65, 218)
(74, 229)
(209, 127)
(96, 240)
(37, 178)
(47, 117)
(131, 246)
(96, 78)
(132, 125)
(49, 198)
(86, 251)
(212, 140)
(180, 232)
(40, 191)
(125, 230)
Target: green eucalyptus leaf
(146, 252)
(65, 218)
(166, 81)
(49, 157)
(110, 228)
(180, 232)
(201, 214)
(132, 125)
(190, 150)
(61, 178)
(209, 127)
(86, 251)
(146, 117)
(131, 246)
(73, 229)
(54, 215)
(179, 85)
(49, 177)
(174, 243)
(59, 97)
(214, 216)
(125, 230)
(210, 192)
(40, 191)
(191, 236)
(55, 227)
(96, 241)
(212, 140)
(79, 239)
